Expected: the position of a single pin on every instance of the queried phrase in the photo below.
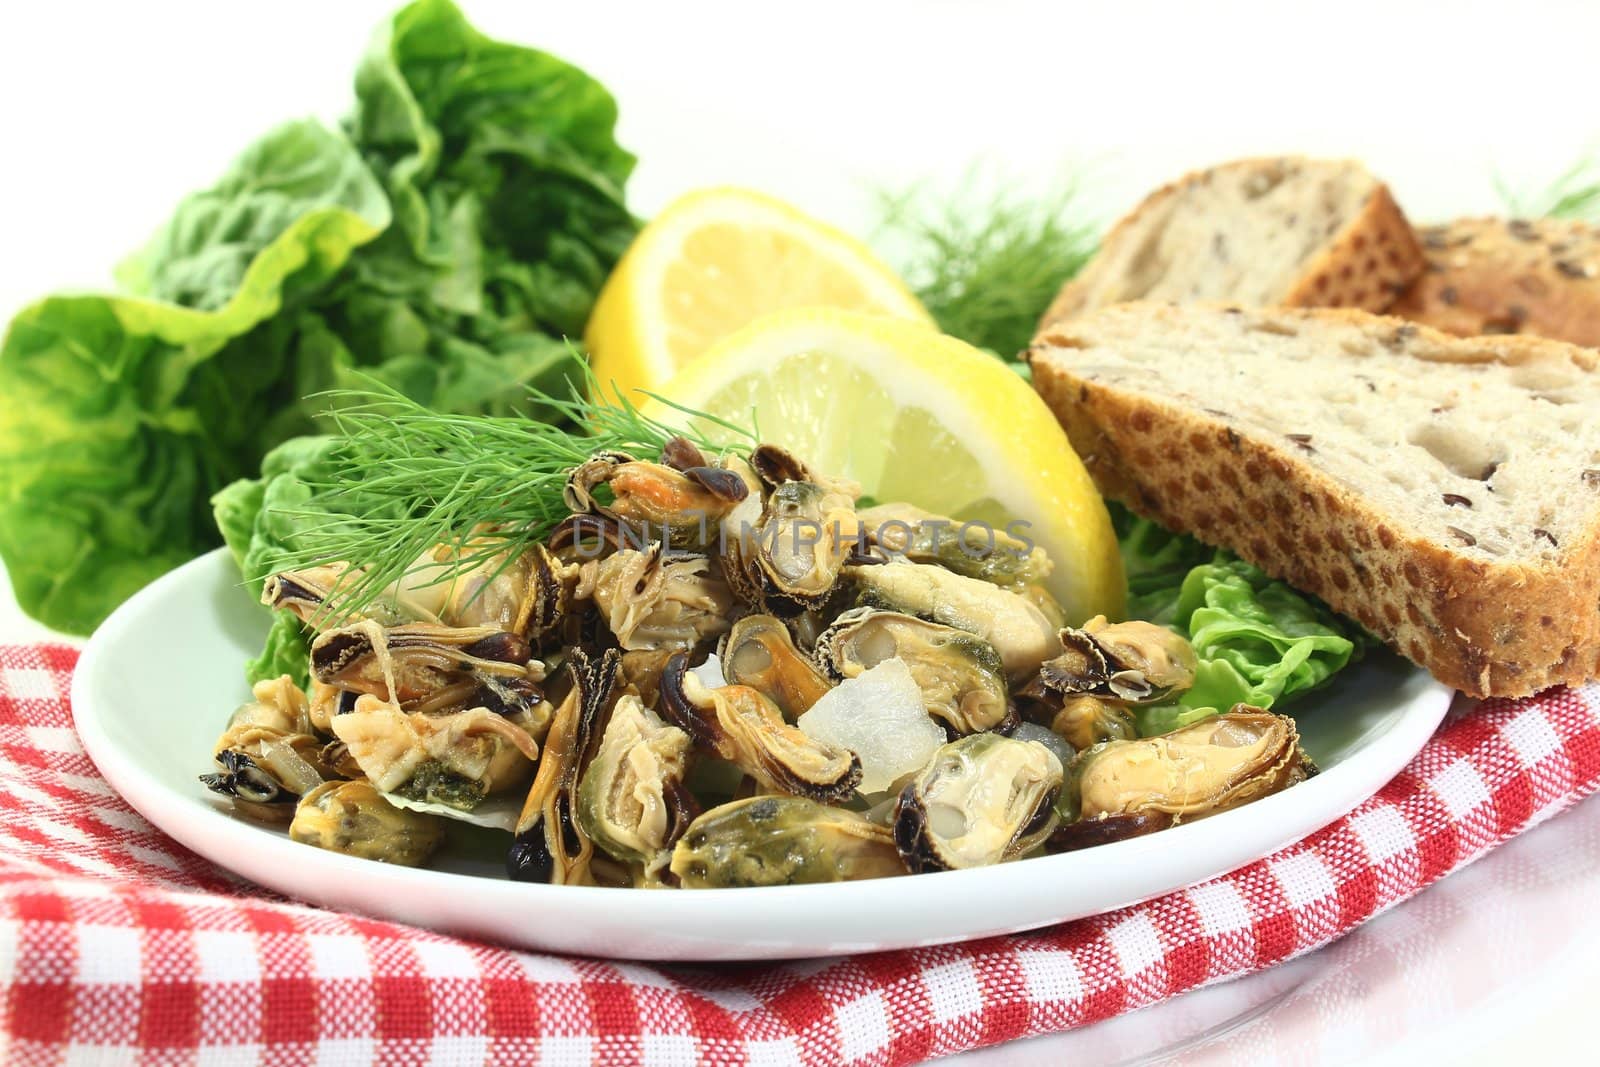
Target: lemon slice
(714, 261)
(915, 416)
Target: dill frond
(1574, 194)
(986, 258)
(406, 479)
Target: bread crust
(1486, 628)
(1366, 264)
(1490, 276)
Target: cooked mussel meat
(326, 701)
(651, 600)
(523, 594)
(1138, 662)
(808, 531)
(276, 704)
(759, 652)
(1085, 721)
(353, 818)
(972, 549)
(686, 503)
(781, 840)
(737, 533)
(584, 538)
(429, 668)
(962, 680)
(454, 760)
(641, 673)
(315, 595)
(1131, 787)
(739, 724)
(264, 772)
(632, 802)
(1011, 623)
(981, 799)
(550, 844)
(267, 756)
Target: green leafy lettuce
(266, 519)
(288, 651)
(985, 258)
(120, 414)
(1258, 641)
(445, 241)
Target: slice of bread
(1509, 276)
(1291, 232)
(1444, 492)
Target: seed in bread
(1509, 276)
(1290, 231)
(1445, 492)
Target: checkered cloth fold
(118, 945)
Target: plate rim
(198, 826)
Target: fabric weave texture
(118, 945)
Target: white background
(109, 112)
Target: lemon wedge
(915, 416)
(714, 261)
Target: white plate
(158, 680)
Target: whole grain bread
(1444, 492)
(1509, 276)
(1290, 232)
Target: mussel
(981, 799)
(684, 503)
(268, 757)
(314, 596)
(652, 601)
(738, 723)
(807, 533)
(454, 760)
(781, 840)
(1085, 721)
(759, 652)
(523, 595)
(422, 667)
(738, 531)
(972, 549)
(632, 802)
(807, 529)
(326, 701)
(585, 538)
(264, 773)
(276, 704)
(962, 680)
(353, 818)
(641, 673)
(550, 844)
(1011, 623)
(1136, 662)
(1126, 788)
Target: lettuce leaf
(288, 651)
(260, 518)
(1258, 641)
(253, 530)
(120, 414)
(444, 242)
(1156, 562)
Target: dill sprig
(406, 479)
(1574, 194)
(986, 262)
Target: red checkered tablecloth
(117, 945)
